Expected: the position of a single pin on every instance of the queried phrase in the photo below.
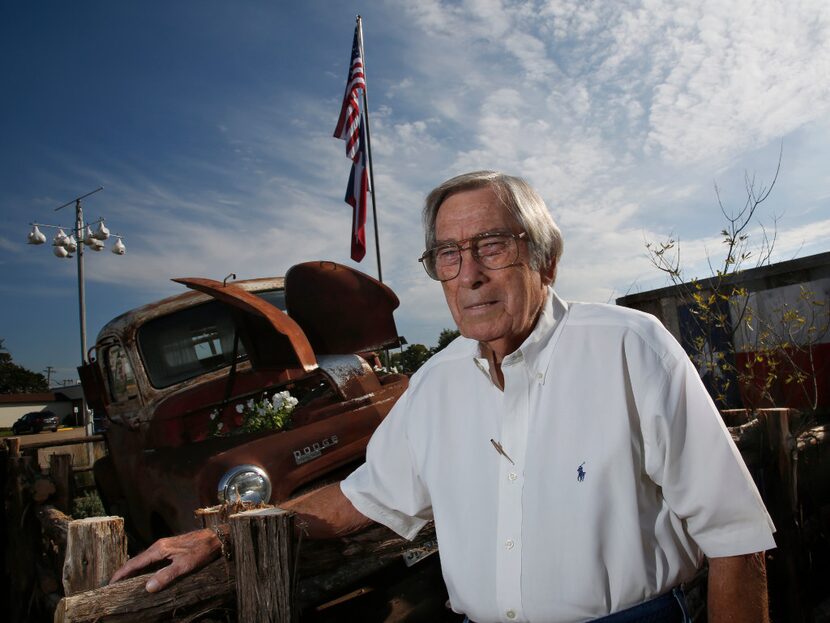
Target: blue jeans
(667, 608)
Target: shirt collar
(537, 350)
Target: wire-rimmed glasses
(492, 250)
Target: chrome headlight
(244, 483)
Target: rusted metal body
(168, 372)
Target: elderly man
(571, 459)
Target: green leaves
(15, 379)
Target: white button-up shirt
(616, 473)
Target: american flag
(350, 129)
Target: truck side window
(120, 374)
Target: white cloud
(617, 112)
(696, 83)
(621, 114)
(742, 74)
(614, 111)
(11, 246)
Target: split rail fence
(58, 568)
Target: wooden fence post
(263, 542)
(5, 582)
(212, 516)
(782, 503)
(13, 444)
(60, 470)
(22, 533)
(95, 548)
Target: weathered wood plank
(323, 555)
(58, 443)
(327, 566)
(54, 524)
(128, 602)
(95, 548)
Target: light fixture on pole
(64, 246)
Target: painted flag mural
(350, 128)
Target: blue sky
(209, 125)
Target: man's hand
(325, 513)
(738, 589)
(186, 553)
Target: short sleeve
(690, 454)
(387, 488)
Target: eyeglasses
(492, 250)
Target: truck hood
(332, 309)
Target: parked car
(181, 381)
(34, 422)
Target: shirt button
(509, 543)
(512, 476)
(510, 614)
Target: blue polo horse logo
(580, 473)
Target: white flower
(240, 408)
(213, 414)
(219, 426)
(278, 400)
(250, 404)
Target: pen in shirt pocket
(501, 451)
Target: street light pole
(79, 227)
(79, 230)
(64, 246)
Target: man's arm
(738, 589)
(322, 513)
(326, 513)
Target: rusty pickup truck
(177, 378)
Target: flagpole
(369, 149)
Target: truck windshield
(192, 341)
